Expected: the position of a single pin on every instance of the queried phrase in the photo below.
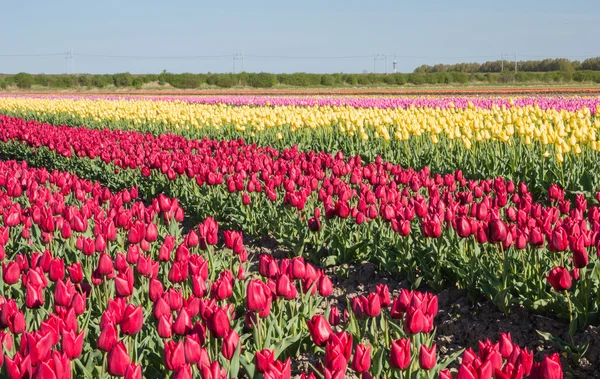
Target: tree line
(544, 65)
(267, 80)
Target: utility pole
(395, 64)
(502, 64)
(377, 57)
(386, 67)
(515, 62)
(238, 57)
(69, 56)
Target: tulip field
(131, 229)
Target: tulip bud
(400, 354)
(427, 357)
(361, 361)
(319, 329)
(559, 278)
(230, 344)
(118, 360)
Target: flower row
(571, 104)
(125, 291)
(489, 236)
(558, 131)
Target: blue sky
(422, 32)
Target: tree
(23, 80)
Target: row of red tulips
(488, 236)
(96, 283)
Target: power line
(195, 57)
(29, 55)
(250, 56)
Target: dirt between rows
(461, 323)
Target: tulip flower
(362, 358)
(219, 324)
(11, 272)
(400, 354)
(63, 293)
(325, 286)
(174, 354)
(372, 305)
(334, 316)
(230, 344)
(118, 360)
(133, 319)
(257, 296)
(427, 357)
(551, 367)
(383, 292)
(263, 360)
(133, 371)
(559, 278)
(72, 344)
(108, 337)
(183, 322)
(319, 329)
(221, 289)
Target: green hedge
(299, 79)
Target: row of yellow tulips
(564, 131)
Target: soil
(460, 322)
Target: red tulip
(285, 288)
(400, 354)
(108, 337)
(383, 292)
(560, 278)
(297, 268)
(192, 349)
(72, 344)
(415, 322)
(325, 286)
(258, 295)
(334, 316)
(372, 305)
(151, 232)
(174, 354)
(263, 360)
(11, 272)
(63, 293)
(551, 367)
(57, 269)
(133, 319)
(497, 231)
(133, 371)
(118, 360)
(183, 323)
(165, 328)
(362, 358)
(219, 324)
(466, 371)
(319, 329)
(506, 345)
(214, 371)
(105, 265)
(230, 344)
(560, 239)
(427, 357)
(221, 289)
(75, 272)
